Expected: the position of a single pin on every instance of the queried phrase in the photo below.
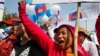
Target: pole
(76, 29)
(86, 25)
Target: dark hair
(15, 23)
(85, 35)
(55, 30)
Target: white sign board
(1, 9)
(61, 1)
(90, 11)
(2, 0)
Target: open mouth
(61, 41)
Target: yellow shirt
(69, 54)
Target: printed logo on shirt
(25, 52)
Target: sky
(12, 6)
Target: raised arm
(33, 30)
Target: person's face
(63, 38)
(81, 37)
(17, 30)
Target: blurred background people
(87, 43)
(97, 27)
(18, 43)
(2, 35)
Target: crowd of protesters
(25, 38)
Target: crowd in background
(22, 37)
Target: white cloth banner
(1, 9)
(90, 10)
(2, 0)
(61, 1)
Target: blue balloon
(28, 1)
(33, 17)
(48, 13)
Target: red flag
(40, 9)
(72, 16)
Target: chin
(61, 47)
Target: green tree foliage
(8, 15)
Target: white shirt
(94, 39)
(90, 47)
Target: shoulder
(92, 44)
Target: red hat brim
(9, 22)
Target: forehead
(63, 29)
(81, 34)
(17, 26)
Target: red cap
(9, 21)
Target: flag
(30, 10)
(72, 16)
(1, 9)
(40, 9)
(32, 17)
(54, 20)
(59, 18)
